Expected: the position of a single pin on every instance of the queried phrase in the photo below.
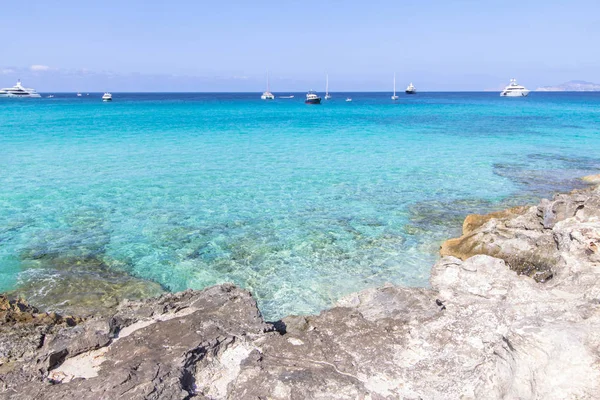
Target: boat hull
(21, 96)
(515, 93)
(410, 92)
(313, 101)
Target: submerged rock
(80, 285)
(481, 331)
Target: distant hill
(571, 86)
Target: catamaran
(327, 95)
(394, 97)
(267, 95)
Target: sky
(229, 45)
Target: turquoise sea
(299, 204)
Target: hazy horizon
(228, 47)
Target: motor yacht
(514, 90)
(411, 89)
(18, 91)
(107, 97)
(312, 98)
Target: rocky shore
(513, 312)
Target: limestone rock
(593, 179)
(520, 236)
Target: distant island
(571, 86)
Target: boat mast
(394, 83)
(327, 85)
(268, 88)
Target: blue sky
(228, 45)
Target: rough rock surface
(524, 236)
(482, 331)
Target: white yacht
(107, 97)
(267, 95)
(327, 95)
(18, 91)
(78, 94)
(394, 96)
(514, 90)
(411, 89)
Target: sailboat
(394, 97)
(267, 95)
(327, 95)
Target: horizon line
(346, 91)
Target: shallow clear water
(299, 204)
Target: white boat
(267, 95)
(50, 96)
(514, 90)
(327, 95)
(394, 97)
(411, 89)
(348, 100)
(18, 91)
(107, 97)
(286, 97)
(78, 94)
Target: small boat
(348, 100)
(286, 97)
(107, 97)
(50, 96)
(394, 96)
(327, 95)
(514, 90)
(312, 98)
(78, 94)
(267, 95)
(411, 89)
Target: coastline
(513, 312)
